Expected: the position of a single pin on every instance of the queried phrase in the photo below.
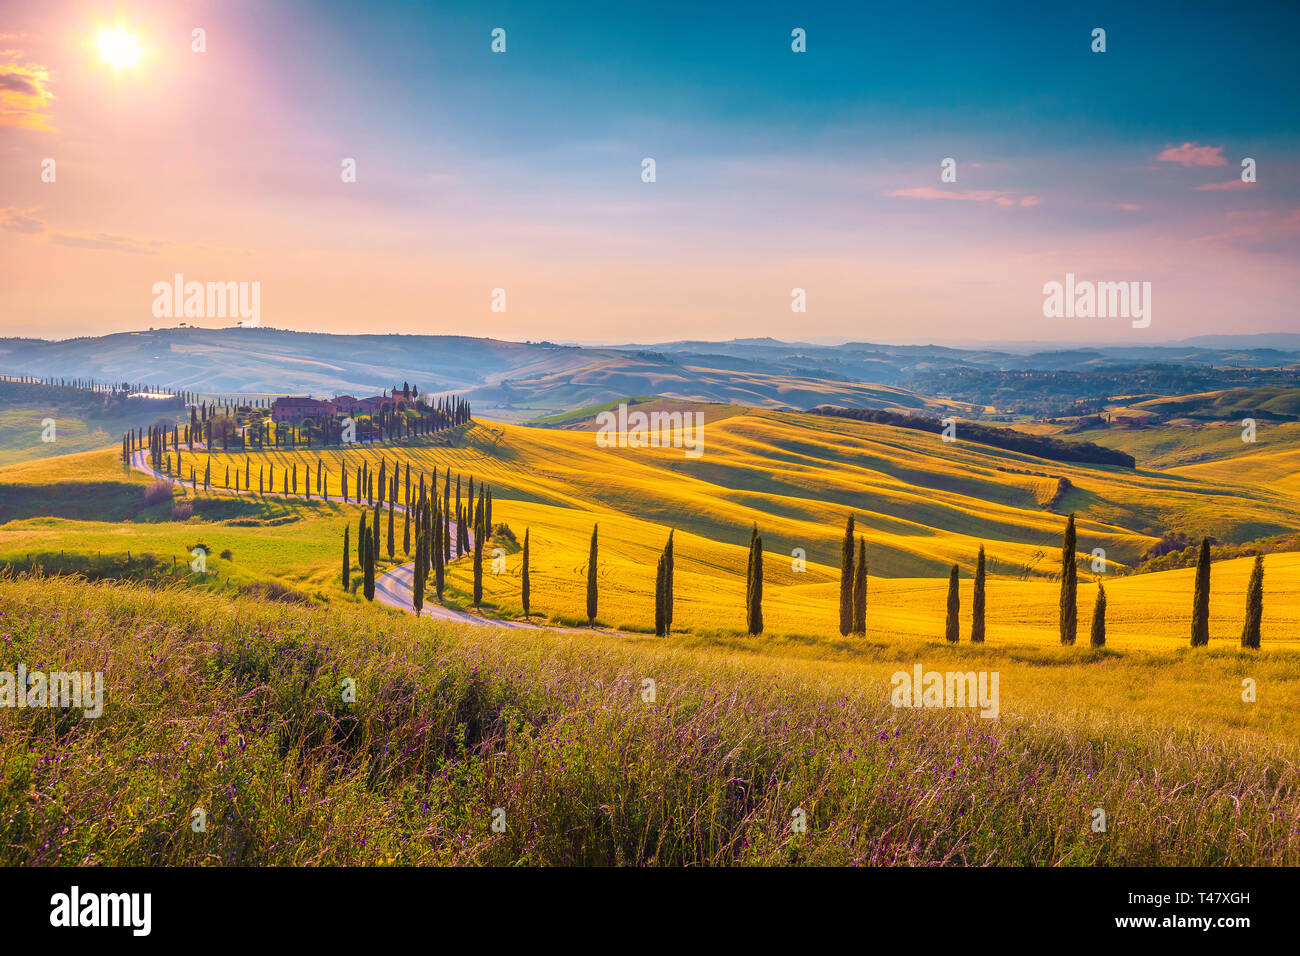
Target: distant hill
(517, 381)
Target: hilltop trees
(1254, 605)
(952, 627)
(591, 578)
(1099, 618)
(977, 602)
(1201, 598)
(1069, 585)
(846, 578)
(754, 584)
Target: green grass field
(236, 707)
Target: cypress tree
(591, 578)
(1069, 585)
(479, 536)
(1201, 597)
(344, 472)
(392, 551)
(660, 587)
(439, 555)
(1250, 632)
(754, 591)
(1099, 618)
(860, 590)
(668, 585)
(375, 529)
(368, 581)
(525, 582)
(446, 515)
(977, 602)
(460, 521)
(417, 589)
(406, 529)
(952, 629)
(846, 578)
(664, 589)
(347, 558)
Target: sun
(119, 48)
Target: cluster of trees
(1040, 446)
(244, 429)
(427, 518)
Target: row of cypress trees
(433, 550)
(1200, 636)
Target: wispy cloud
(1230, 184)
(1189, 154)
(18, 220)
(997, 196)
(105, 241)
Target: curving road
(394, 587)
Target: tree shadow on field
(97, 501)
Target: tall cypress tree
(460, 521)
(591, 577)
(368, 580)
(417, 588)
(376, 528)
(406, 527)
(439, 555)
(846, 578)
(347, 558)
(1250, 631)
(977, 602)
(525, 583)
(391, 549)
(1099, 618)
(952, 628)
(1069, 585)
(754, 588)
(668, 585)
(480, 537)
(660, 586)
(664, 589)
(1201, 597)
(860, 590)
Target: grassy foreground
(236, 707)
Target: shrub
(227, 555)
(182, 510)
(158, 492)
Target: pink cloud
(1129, 207)
(1001, 197)
(1230, 184)
(1190, 154)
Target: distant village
(301, 408)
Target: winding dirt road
(394, 587)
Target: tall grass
(236, 706)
